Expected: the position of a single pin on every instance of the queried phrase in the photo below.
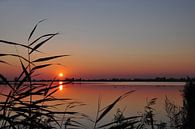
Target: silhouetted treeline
(156, 79)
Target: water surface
(89, 92)
(132, 105)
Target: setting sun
(60, 74)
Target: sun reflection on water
(60, 85)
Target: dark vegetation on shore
(31, 105)
(157, 79)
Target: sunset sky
(105, 38)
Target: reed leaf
(51, 83)
(4, 62)
(21, 74)
(121, 97)
(15, 55)
(109, 107)
(52, 117)
(16, 44)
(43, 36)
(20, 84)
(50, 94)
(6, 102)
(34, 29)
(48, 58)
(41, 43)
(6, 95)
(40, 67)
(4, 79)
(25, 94)
(25, 71)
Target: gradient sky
(106, 38)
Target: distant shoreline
(111, 80)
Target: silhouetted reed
(175, 114)
(31, 105)
(140, 121)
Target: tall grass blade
(98, 111)
(5, 104)
(15, 44)
(48, 58)
(109, 107)
(41, 43)
(25, 94)
(50, 94)
(34, 29)
(6, 82)
(15, 55)
(122, 97)
(40, 67)
(21, 74)
(25, 71)
(46, 35)
(4, 62)
(50, 85)
(21, 82)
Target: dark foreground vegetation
(32, 105)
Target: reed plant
(174, 113)
(32, 105)
(145, 120)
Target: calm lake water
(89, 93)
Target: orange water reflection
(88, 93)
(133, 104)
